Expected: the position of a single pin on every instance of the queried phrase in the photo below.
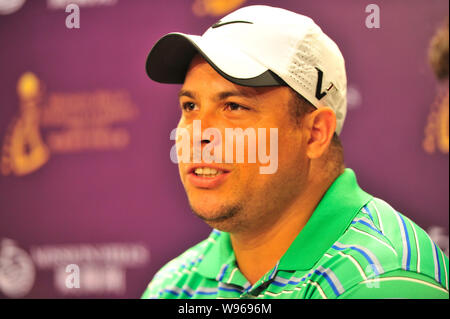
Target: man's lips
(191, 168)
(208, 176)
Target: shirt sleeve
(399, 284)
(146, 294)
(153, 289)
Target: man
(305, 230)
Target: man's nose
(209, 128)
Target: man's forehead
(197, 59)
(200, 70)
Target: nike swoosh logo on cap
(220, 23)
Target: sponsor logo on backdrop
(24, 150)
(78, 269)
(17, 270)
(62, 4)
(101, 267)
(74, 123)
(436, 130)
(10, 6)
(215, 7)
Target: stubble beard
(224, 218)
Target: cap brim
(169, 59)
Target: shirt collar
(332, 216)
(219, 252)
(334, 213)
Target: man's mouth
(207, 172)
(203, 176)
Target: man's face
(240, 197)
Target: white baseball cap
(261, 46)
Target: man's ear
(321, 125)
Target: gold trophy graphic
(24, 150)
(215, 7)
(437, 128)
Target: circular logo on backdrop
(17, 271)
(10, 6)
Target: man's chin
(222, 218)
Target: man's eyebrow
(186, 93)
(240, 93)
(221, 95)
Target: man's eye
(235, 107)
(189, 106)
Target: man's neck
(259, 250)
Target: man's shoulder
(381, 242)
(173, 273)
(415, 250)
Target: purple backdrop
(86, 176)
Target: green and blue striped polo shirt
(353, 246)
